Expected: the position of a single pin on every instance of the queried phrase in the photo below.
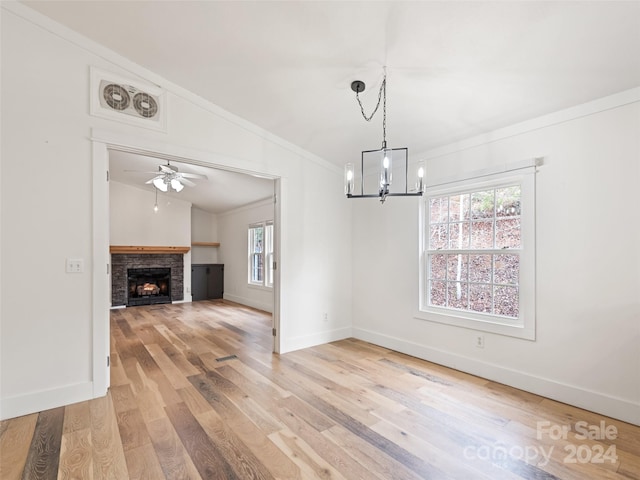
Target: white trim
(171, 151)
(278, 206)
(320, 338)
(123, 63)
(101, 271)
(585, 109)
(523, 327)
(46, 399)
(528, 165)
(615, 407)
(249, 302)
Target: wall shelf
(205, 244)
(147, 249)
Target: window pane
(459, 235)
(438, 237)
(457, 295)
(269, 255)
(458, 267)
(438, 210)
(437, 294)
(459, 207)
(506, 301)
(488, 222)
(508, 201)
(256, 267)
(437, 267)
(480, 268)
(482, 235)
(256, 235)
(508, 233)
(506, 269)
(480, 298)
(482, 204)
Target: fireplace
(148, 286)
(122, 263)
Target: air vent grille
(127, 101)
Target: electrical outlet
(479, 341)
(75, 265)
(325, 316)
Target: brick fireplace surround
(121, 262)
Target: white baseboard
(610, 406)
(249, 302)
(44, 400)
(306, 341)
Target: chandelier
(389, 162)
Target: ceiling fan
(168, 177)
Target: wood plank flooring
(181, 406)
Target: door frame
(103, 141)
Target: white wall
(586, 351)
(133, 221)
(46, 346)
(233, 253)
(204, 228)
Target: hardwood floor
(182, 407)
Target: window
(261, 254)
(478, 255)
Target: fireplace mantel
(142, 249)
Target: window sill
(260, 287)
(517, 329)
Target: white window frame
(521, 327)
(267, 257)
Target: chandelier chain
(384, 113)
(382, 96)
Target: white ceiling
(220, 192)
(455, 69)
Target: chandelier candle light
(384, 156)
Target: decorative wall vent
(126, 100)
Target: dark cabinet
(207, 281)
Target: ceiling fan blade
(140, 171)
(167, 168)
(193, 175)
(186, 182)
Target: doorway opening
(140, 163)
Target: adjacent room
(300, 240)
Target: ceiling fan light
(160, 184)
(176, 185)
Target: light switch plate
(75, 265)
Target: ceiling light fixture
(161, 184)
(168, 177)
(167, 180)
(388, 159)
(176, 185)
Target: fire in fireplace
(148, 286)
